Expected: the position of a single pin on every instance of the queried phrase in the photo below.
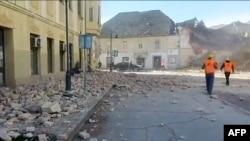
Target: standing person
(228, 67)
(99, 64)
(210, 67)
(162, 65)
(130, 65)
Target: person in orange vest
(210, 66)
(228, 67)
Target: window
(140, 45)
(34, 55)
(125, 44)
(108, 48)
(70, 4)
(157, 44)
(99, 15)
(50, 55)
(71, 55)
(91, 14)
(50, 8)
(172, 60)
(62, 55)
(79, 3)
(125, 59)
(80, 57)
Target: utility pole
(110, 53)
(68, 92)
(111, 50)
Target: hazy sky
(211, 12)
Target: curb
(234, 106)
(77, 121)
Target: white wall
(173, 53)
(149, 59)
(129, 54)
(103, 58)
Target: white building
(150, 44)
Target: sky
(211, 12)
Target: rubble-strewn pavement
(37, 109)
(179, 109)
(40, 111)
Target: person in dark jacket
(228, 67)
(99, 65)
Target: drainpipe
(85, 55)
(179, 50)
(69, 92)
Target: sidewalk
(41, 110)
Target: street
(165, 114)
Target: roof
(135, 24)
(188, 23)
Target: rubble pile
(144, 83)
(29, 110)
(25, 110)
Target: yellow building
(32, 37)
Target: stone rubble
(41, 105)
(131, 84)
(93, 139)
(84, 135)
(42, 137)
(181, 137)
(92, 121)
(32, 109)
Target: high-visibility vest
(210, 66)
(228, 66)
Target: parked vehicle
(127, 66)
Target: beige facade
(173, 51)
(20, 21)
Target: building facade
(147, 38)
(32, 37)
(152, 51)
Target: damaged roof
(135, 24)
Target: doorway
(50, 55)
(34, 55)
(62, 55)
(108, 61)
(140, 61)
(157, 62)
(71, 56)
(89, 61)
(2, 61)
(80, 57)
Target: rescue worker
(210, 67)
(228, 67)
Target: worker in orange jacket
(228, 67)
(210, 66)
